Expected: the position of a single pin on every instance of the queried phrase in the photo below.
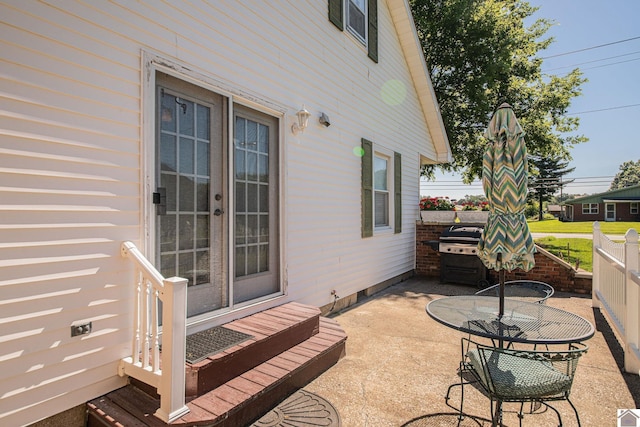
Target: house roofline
(603, 194)
(412, 49)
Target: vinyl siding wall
(71, 156)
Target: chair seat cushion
(509, 376)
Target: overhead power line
(604, 109)
(596, 60)
(590, 48)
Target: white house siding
(71, 138)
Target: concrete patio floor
(399, 363)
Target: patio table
(522, 322)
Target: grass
(571, 250)
(574, 250)
(555, 226)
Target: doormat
(301, 409)
(206, 343)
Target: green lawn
(555, 226)
(570, 250)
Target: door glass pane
(186, 194)
(203, 158)
(202, 275)
(169, 183)
(202, 195)
(168, 156)
(186, 117)
(186, 156)
(185, 232)
(202, 232)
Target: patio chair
(524, 376)
(527, 290)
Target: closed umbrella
(506, 243)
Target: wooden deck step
(274, 331)
(238, 401)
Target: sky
(609, 107)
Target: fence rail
(616, 289)
(164, 370)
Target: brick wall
(549, 268)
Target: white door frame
(152, 62)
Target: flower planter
(438, 216)
(473, 217)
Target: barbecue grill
(459, 262)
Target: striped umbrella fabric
(506, 243)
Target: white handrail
(616, 289)
(163, 370)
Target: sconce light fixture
(303, 121)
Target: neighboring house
(615, 205)
(171, 125)
(555, 210)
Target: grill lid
(461, 234)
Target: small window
(589, 208)
(381, 188)
(356, 19)
(361, 19)
(633, 209)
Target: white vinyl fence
(616, 290)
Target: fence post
(172, 383)
(632, 304)
(595, 276)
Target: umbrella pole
(501, 294)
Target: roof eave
(408, 36)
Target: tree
(629, 175)
(546, 179)
(479, 54)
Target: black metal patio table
(522, 322)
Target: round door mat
(301, 409)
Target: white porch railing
(163, 370)
(616, 289)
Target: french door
(196, 207)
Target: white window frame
(353, 31)
(387, 155)
(590, 208)
(633, 208)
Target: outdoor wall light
(324, 120)
(303, 121)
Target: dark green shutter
(336, 13)
(397, 193)
(373, 30)
(367, 188)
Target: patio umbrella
(506, 243)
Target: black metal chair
(527, 290)
(524, 376)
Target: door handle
(160, 200)
(218, 212)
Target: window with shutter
(381, 190)
(361, 18)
